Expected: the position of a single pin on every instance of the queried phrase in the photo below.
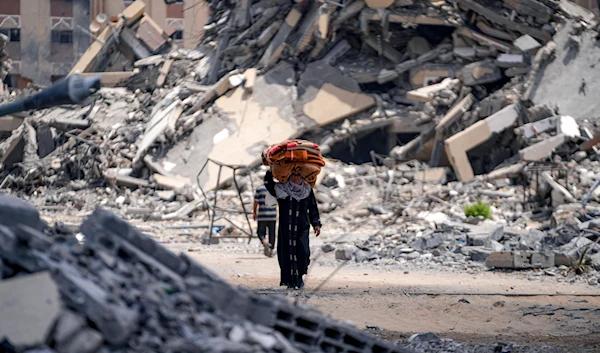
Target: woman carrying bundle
(297, 212)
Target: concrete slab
(543, 149)
(267, 112)
(569, 80)
(526, 43)
(333, 103)
(29, 306)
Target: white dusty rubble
(422, 107)
(118, 290)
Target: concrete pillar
(35, 41)
(81, 18)
(195, 14)
(158, 12)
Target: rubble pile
(429, 342)
(5, 61)
(409, 215)
(442, 98)
(112, 288)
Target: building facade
(47, 37)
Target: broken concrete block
(533, 129)
(250, 75)
(166, 195)
(502, 259)
(417, 46)
(29, 306)
(561, 259)
(458, 145)
(85, 341)
(333, 103)
(425, 94)
(568, 127)
(526, 43)
(479, 73)
(69, 324)
(465, 52)
(522, 259)
(134, 12)
(428, 74)
(428, 242)
(543, 149)
(177, 182)
(14, 211)
(542, 260)
(432, 175)
(478, 254)
(344, 253)
(574, 10)
(510, 60)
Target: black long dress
(295, 219)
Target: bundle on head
(294, 157)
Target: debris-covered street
(452, 149)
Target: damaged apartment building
(47, 37)
(448, 83)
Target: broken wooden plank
(163, 73)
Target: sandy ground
(394, 302)
(477, 308)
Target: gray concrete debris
(30, 306)
(149, 298)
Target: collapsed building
(118, 290)
(462, 94)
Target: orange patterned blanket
(294, 157)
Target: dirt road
(482, 308)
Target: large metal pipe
(73, 89)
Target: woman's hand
(317, 230)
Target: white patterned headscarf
(296, 191)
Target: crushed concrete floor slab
(572, 79)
